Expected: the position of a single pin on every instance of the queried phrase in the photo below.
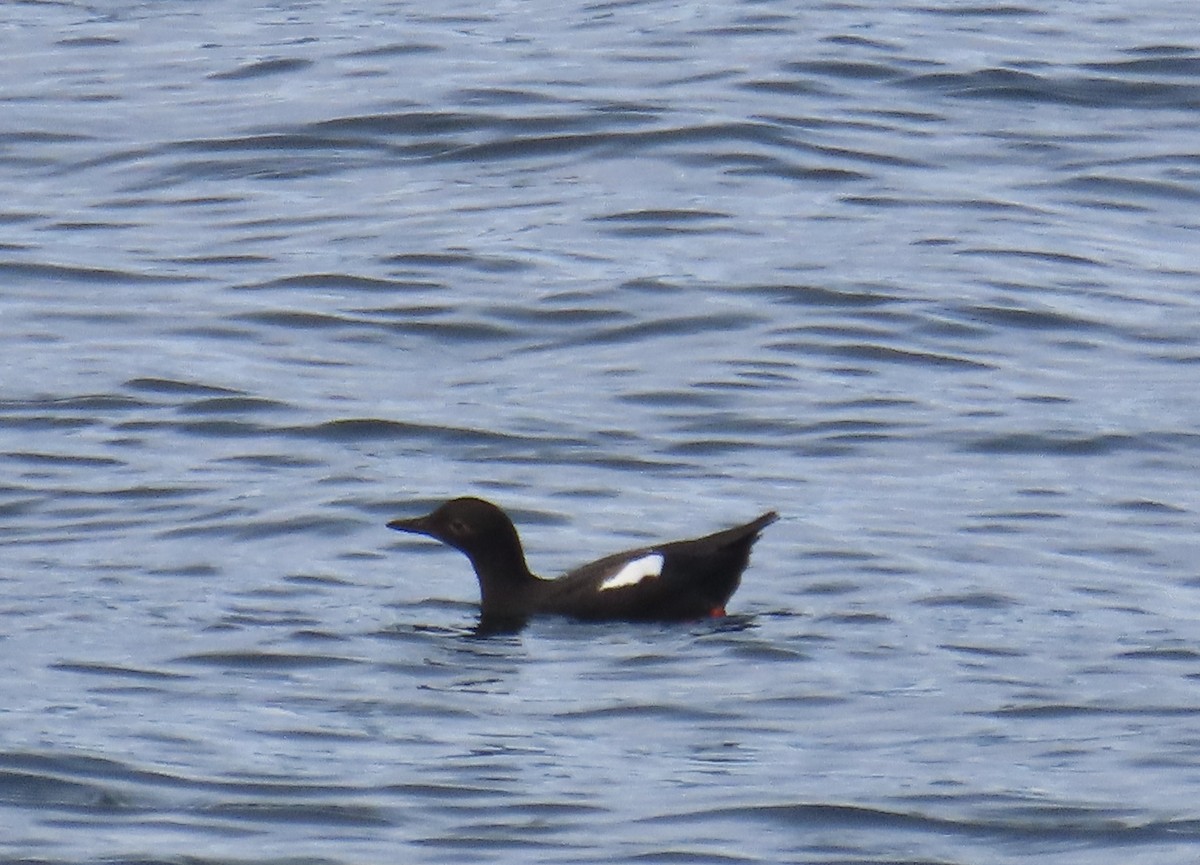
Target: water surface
(920, 277)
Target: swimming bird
(676, 581)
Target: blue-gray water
(921, 276)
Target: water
(919, 276)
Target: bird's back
(677, 580)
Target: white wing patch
(634, 572)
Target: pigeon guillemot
(675, 581)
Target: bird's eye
(459, 527)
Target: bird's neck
(502, 580)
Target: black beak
(416, 525)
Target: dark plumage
(674, 581)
